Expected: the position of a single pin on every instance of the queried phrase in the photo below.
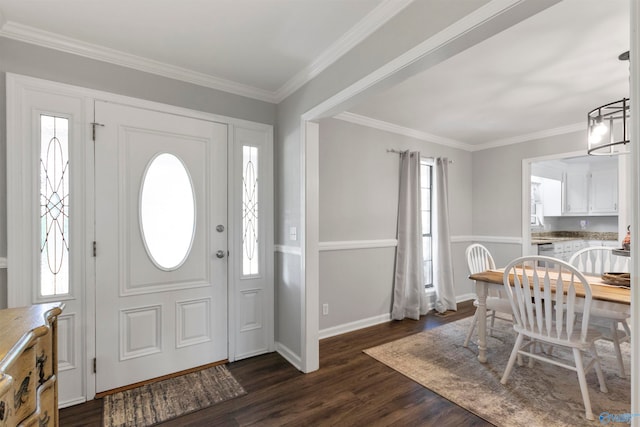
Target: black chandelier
(608, 129)
(608, 126)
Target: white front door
(161, 243)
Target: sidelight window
(250, 230)
(54, 205)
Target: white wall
(594, 223)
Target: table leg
(481, 291)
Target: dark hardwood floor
(349, 389)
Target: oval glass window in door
(167, 211)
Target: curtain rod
(393, 150)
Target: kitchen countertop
(560, 236)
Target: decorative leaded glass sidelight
(54, 205)
(250, 261)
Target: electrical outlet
(325, 309)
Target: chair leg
(512, 359)
(493, 321)
(616, 346)
(471, 329)
(520, 363)
(625, 325)
(577, 356)
(598, 368)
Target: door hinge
(95, 248)
(93, 133)
(95, 364)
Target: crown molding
(562, 130)
(27, 34)
(400, 130)
(363, 29)
(425, 136)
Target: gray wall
(401, 33)
(497, 188)
(497, 182)
(30, 60)
(359, 184)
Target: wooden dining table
(615, 297)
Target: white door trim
(26, 99)
(20, 271)
(248, 289)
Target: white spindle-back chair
(479, 259)
(596, 261)
(543, 301)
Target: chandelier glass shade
(608, 129)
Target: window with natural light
(54, 205)
(250, 261)
(426, 175)
(167, 211)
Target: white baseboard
(353, 326)
(72, 402)
(465, 297)
(376, 320)
(289, 355)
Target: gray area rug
(167, 399)
(544, 395)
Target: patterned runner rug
(544, 395)
(167, 399)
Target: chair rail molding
(288, 249)
(340, 245)
(490, 239)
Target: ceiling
(537, 77)
(264, 49)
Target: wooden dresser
(29, 365)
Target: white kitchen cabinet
(551, 197)
(591, 190)
(562, 250)
(576, 192)
(603, 194)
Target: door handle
(220, 254)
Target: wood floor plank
(349, 389)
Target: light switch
(293, 234)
